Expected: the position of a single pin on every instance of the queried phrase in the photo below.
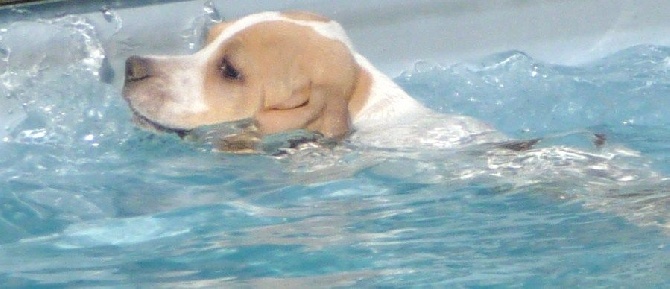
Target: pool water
(87, 200)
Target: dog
(278, 72)
(286, 71)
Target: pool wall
(393, 34)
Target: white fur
(185, 81)
(386, 103)
(386, 100)
(330, 29)
(388, 108)
(188, 77)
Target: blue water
(87, 200)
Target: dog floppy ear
(319, 108)
(312, 90)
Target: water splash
(83, 32)
(629, 87)
(197, 29)
(5, 52)
(59, 46)
(211, 12)
(87, 193)
(111, 16)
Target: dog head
(284, 71)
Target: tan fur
(360, 95)
(215, 31)
(292, 78)
(305, 16)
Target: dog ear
(313, 93)
(319, 108)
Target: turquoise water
(87, 200)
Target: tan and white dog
(287, 71)
(299, 71)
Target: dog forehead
(329, 29)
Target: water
(87, 200)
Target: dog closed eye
(229, 71)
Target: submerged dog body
(287, 71)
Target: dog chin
(153, 126)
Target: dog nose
(137, 68)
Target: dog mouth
(147, 123)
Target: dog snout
(137, 68)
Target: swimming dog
(286, 71)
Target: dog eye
(229, 71)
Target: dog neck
(377, 99)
